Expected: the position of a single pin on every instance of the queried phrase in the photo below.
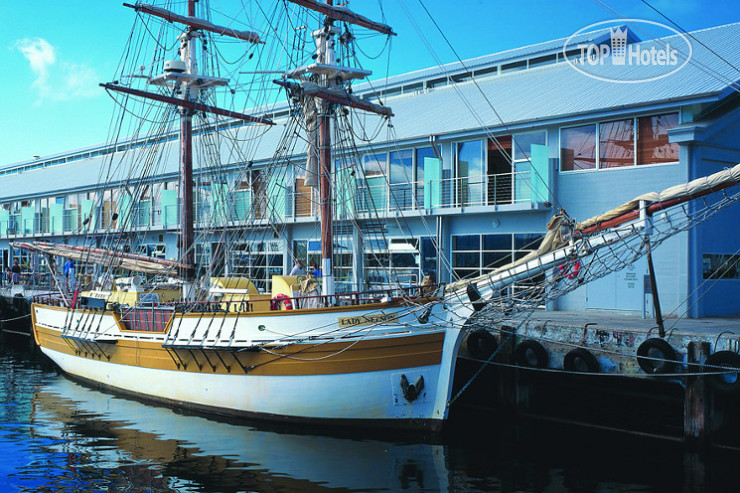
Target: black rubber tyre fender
(482, 344)
(580, 360)
(656, 356)
(726, 383)
(531, 354)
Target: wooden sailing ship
(296, 352)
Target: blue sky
(56, 52)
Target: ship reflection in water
(126, 446)
(56, 435)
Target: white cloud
(56, 80)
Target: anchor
(412, 391)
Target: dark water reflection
(56, 435)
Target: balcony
(302, 204)
(490, 190)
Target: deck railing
(132, 319)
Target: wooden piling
(696, 398)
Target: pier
(611, 372)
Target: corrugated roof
(472, 64)
(534, 95)
(559, 90)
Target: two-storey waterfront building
(483, 153)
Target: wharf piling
(612, 372)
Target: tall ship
(311, 345)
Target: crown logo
(619, 45)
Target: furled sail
(108, 258)
(312, 149)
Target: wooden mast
(324, 144)
(187, 219)
(330, 76)
(187, 83)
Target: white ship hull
(351, 380)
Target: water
(56, 435)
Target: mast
(327, 57)
(184, 87)
(324, 81)
(187, 219)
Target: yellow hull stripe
(389, 353)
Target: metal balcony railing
(490, 190)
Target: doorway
(499, 170)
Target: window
(342, 263)
(374, 165)
(617, 141)
(388, 264)
(500, 167)
(470, 184)
(304, 194)
(259, 194)
(496, 251)
(401, 179)
(429, 257)
(523, 144)
(617, 144)
(156, 250)
(652, 140)
(513, 66)
(473, 255)
(717, 266)
(578, 148)
(258, 261)
(374, 184)
(466, 256)
(309, 252)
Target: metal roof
(558, 90)
(544, 95)
(473, 64)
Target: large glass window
(258, 261)
(401, 179)
(259, 194)
(374, 164)
(617, 141)
(578, 148)
(389, 263)
(374, 185)
(523, 144)
(496, 251)
(470, 186)
(473, 255)
(617, 144)
(652, 139)
(377, 261)
(466, 256)
(429, 257)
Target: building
(577, 143)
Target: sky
(54, 53)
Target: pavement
(627, 322)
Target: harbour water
(57, 435)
